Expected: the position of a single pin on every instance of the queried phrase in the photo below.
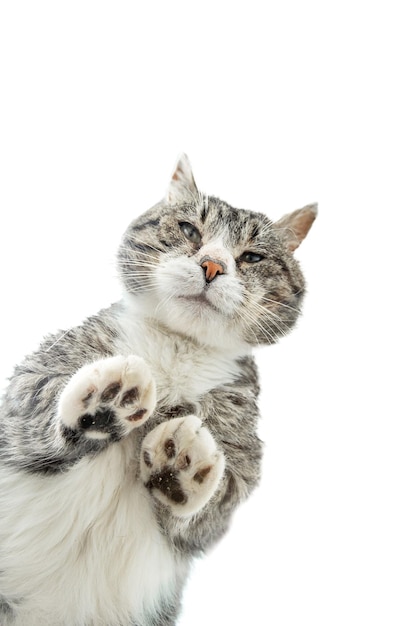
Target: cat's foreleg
(107, 399)
(181, 464)
(229, 415)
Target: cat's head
(226, 277)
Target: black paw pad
(201, 474)
(101, 420)
(167, 482)
(169, 447)
(183, 462)
(110, 392)
(130, 396)
(137, 415)
(147, 459)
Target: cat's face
(225, 277)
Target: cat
(126, 443)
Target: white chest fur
(93, 553)
(182, 369)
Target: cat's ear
(294, 227)
(182, 187)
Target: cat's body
(126, 443)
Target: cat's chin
(201, 304)
(193, 316)
(199, 319)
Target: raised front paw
(108, 398)
(181, 464)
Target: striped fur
(126, 443)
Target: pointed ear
(295, 226)
(182, 186)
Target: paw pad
(181, 464)
(109, 393)
(201, 474)
(108, 398)
(169, 447)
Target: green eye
(191, 232)
(251, 257)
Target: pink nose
(212, 268)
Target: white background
(277, 104)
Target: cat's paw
(108, 398)
(181, 464)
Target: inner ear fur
(294, 226)
(182, 187)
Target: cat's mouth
(200, 300)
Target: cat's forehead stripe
(204, 210)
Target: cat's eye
(191, 232)
(251, 257)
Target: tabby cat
(126, 443)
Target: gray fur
(28, 429)
(156, 233)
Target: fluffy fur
(126, 443)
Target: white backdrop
(277, 104)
